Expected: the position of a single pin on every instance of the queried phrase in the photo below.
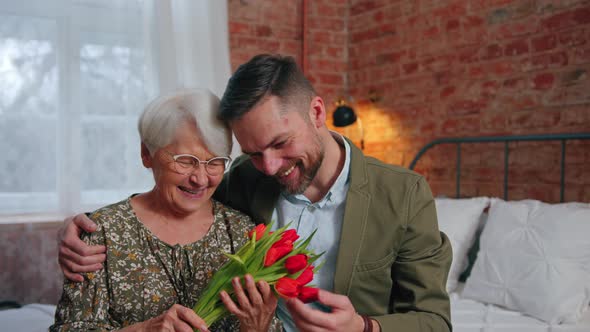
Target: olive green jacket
(392, 262)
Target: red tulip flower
(296, 263)
(259, 229)
(277, 251)
(308, 294)
(306, 276)
(287, 287)
(288, 235)
(268, 256)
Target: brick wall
(468, 68)
(444, 69)
(266, 26)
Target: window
(74, 76)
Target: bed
(520, 265)
(474, 225)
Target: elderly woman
(163, 246)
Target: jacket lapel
(354, 223)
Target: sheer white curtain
(75, 75)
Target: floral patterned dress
(144, 276)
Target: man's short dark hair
(264, 75)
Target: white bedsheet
(472, 316)
(467, 316)
(28, 318)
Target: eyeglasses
(187, 163)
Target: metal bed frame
(506, 139)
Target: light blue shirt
(326, 216)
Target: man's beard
(306, 175)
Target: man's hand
(75, 256)
(342, 318)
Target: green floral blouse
(144, 276)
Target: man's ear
(146, 158)
(317, 112)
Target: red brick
(461, 126)
(392, 57)
(387, 29)
(502, 68)
(452, 25)
(410, 68)
(336, 52)
(492, 52)
(576, 116)
(513, 29)
(263, 31)
(581, 15)
(465, 107)
(543, 81)
(470, 22)
(365, 35)
(237, 27)
(517, 102)
(533, 119)
(331, 10)
(323, 23)
(332, 79)
(378, 16)
(489, 89)
(581, 55)
(494, 122)
(546, 61)
(517, 47)
(291, 47)
(544, 43)
(363, 6)
(326, 65)
(431, 32)
(244, 42)
(447, 91)
(268, 46)
(468, 55)
(437, 63)
(516, 83)
(574, 37)
(476, 71)
(567, 19)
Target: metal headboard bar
(506, 139)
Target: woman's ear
(146, 158)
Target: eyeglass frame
(226, 160)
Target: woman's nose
(199, 175)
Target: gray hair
(160, 119)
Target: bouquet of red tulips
(275, 257)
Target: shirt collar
(340, 186)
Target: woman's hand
(255, 309)
(175, 319)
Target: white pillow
(534, 258)
(459, 219)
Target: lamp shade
(344, 116)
